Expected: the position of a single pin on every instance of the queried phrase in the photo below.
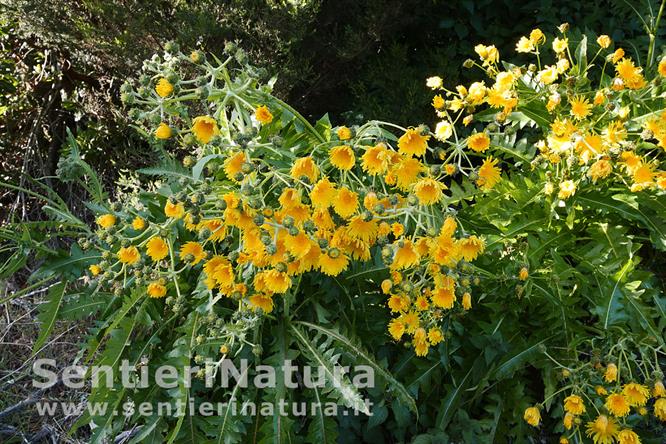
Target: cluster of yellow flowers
(614, 130)
(613, 409)
(265, 216)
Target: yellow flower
(157, 249)
(489, 174)
(611, 373)
(396, 328)
(204, 128)
(488, 54)
(604, 41)
(345, 202)
(438, 102)
(523, 274)
(567, 189)
(220, 273)
(275, 281)
(537, 37)
(413, 143)
(434, 82)
(532, 416)
(471, 247)
(443, 130)
(617, 55)
(444, 297)
(467, 301)
(477, 92)
(305, 166)
(631, 75)
(342, 157)
(344, 133)
(564, 440)
(263, 115)
(333, 266)
(660, 409)
(262, 301)
(548, 75)
(138, 223)
(602, 430)
(617, 404)
(524, 45)
(163, 131)
(428, 191)
(560, 45)
(662, 67)
(163, 88)
(580, 107)
(600, 170)
(174, 210)
(386, 286)
(628, 436)
(106, 221)
(568, 420)
(658, 391)
(405, 173)
(574, 405)
(192, 251)
(375, 159)
(643, 177)
(323, 193)
(363, 230)
(156, 290)
(397, 229)
(478, 142)
(600, 391)
(636, 394)
(406, 256)
(129, 255)
(95, 269)
(435, 336)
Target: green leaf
(49, 313)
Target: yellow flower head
(659, 391)
(261, 301)
(204, 128)
(611, 373)
(602, 430)
(323, 193)
(434, 82)
(471, 247)
(106, 221)
(438, 102)
(163, 88)
(662, 67)
(138, 223)
(574, 404)
(580, 107)
(129, 255)
(428, 191)
(443, 130)
(444, 297)
(532, 416)
(604, 41)
(344, 133)
(174, 210)
(396, 329)
(163, 131)
(413, 142)
(560, 45)
(617, 404)
(568, 420)
(478, 142)
(636, 394)
(95, 269)
(567, 189)
(435, 336)
(333, 263)
(157, 249)
(537, 37)
(524, 45)
(660, 409)
(345, 202)
(628, 436)
(406, 255)
(156, 290)
(305, 167)
(489, 174)
(523, 274)
(193, 252)
(342, 157)
(375, 159)
(263, 115)
(467, 301)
